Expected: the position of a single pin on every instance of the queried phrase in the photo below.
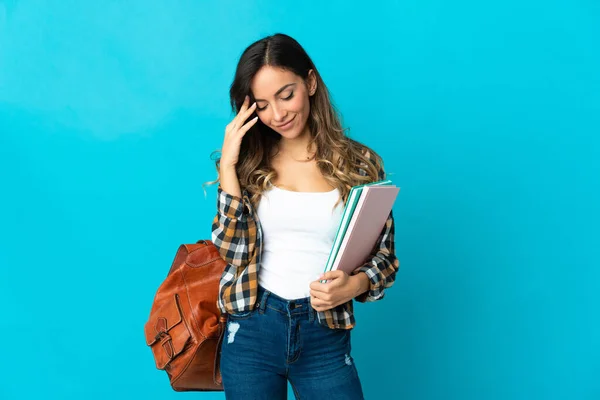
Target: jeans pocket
(244, 314)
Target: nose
(278, 114)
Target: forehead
(269, 80)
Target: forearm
(233, 229)
(229, 180)
(361, 283)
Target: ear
(311, 81)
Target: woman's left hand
(339, 288)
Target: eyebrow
(279, 91)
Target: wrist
(360, 283)
(227, 168)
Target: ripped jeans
(282, 340)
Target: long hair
(337, 155)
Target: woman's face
(282, 100)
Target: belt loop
(263, 301)
(311, 312)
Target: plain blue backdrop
(487, 116)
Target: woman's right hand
(234, 133)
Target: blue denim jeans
(282, 340)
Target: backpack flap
(166, 332)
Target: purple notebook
(369, 217)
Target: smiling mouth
(287, 123)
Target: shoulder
(367, 152)
(372, 157)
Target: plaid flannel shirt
(236, 232)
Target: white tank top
(298, 232)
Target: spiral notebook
(363, 219)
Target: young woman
(285, 172)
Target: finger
(330, 282)
(330, 275)
(317, 285)
(242, 131)
(321, 296)
(316, 302)
(244, 106)
(243, 116)
(319, 289)
(244, 103)
(320, 305)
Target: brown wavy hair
(337, 155)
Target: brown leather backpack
(185, 328)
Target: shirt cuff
(376, 284)
(229, 205)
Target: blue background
(486, 114)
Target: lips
(286, 124)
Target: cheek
(299, 104)
(264, 117)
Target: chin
(288, 134)
(291, 134)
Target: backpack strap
(183, 251)
(217, 369)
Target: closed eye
(283, 98)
